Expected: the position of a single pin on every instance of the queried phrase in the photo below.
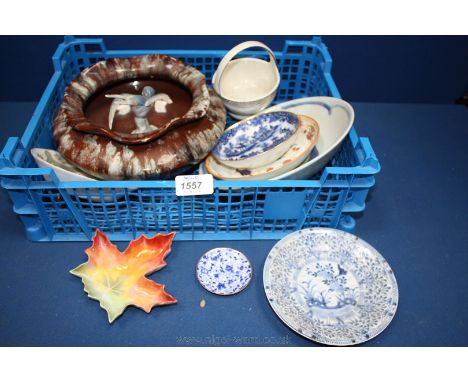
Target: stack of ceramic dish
(335, 118)
(263, 146)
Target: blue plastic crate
(66, 211)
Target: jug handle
(216, 80)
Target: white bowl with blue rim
(335, 118)
(257, 141)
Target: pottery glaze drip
(118, 70)
(148, 117)
(175, 151)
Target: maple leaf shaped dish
(117, 279)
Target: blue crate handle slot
(59, 60)
(6, 156)
(370, 160)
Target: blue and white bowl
(257, 141)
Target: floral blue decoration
(256, 135)
(224, 271)
(330, 286)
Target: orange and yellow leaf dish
(117, 279)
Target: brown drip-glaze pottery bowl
(145, 117)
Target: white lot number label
(187, 185)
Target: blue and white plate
(330, 286)
(224, 271)
(258, 140)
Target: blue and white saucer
(330, 286)
(224, 271)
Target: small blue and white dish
(330, 286)
(258, 140)
(224, 271)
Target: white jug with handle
(246, 85)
